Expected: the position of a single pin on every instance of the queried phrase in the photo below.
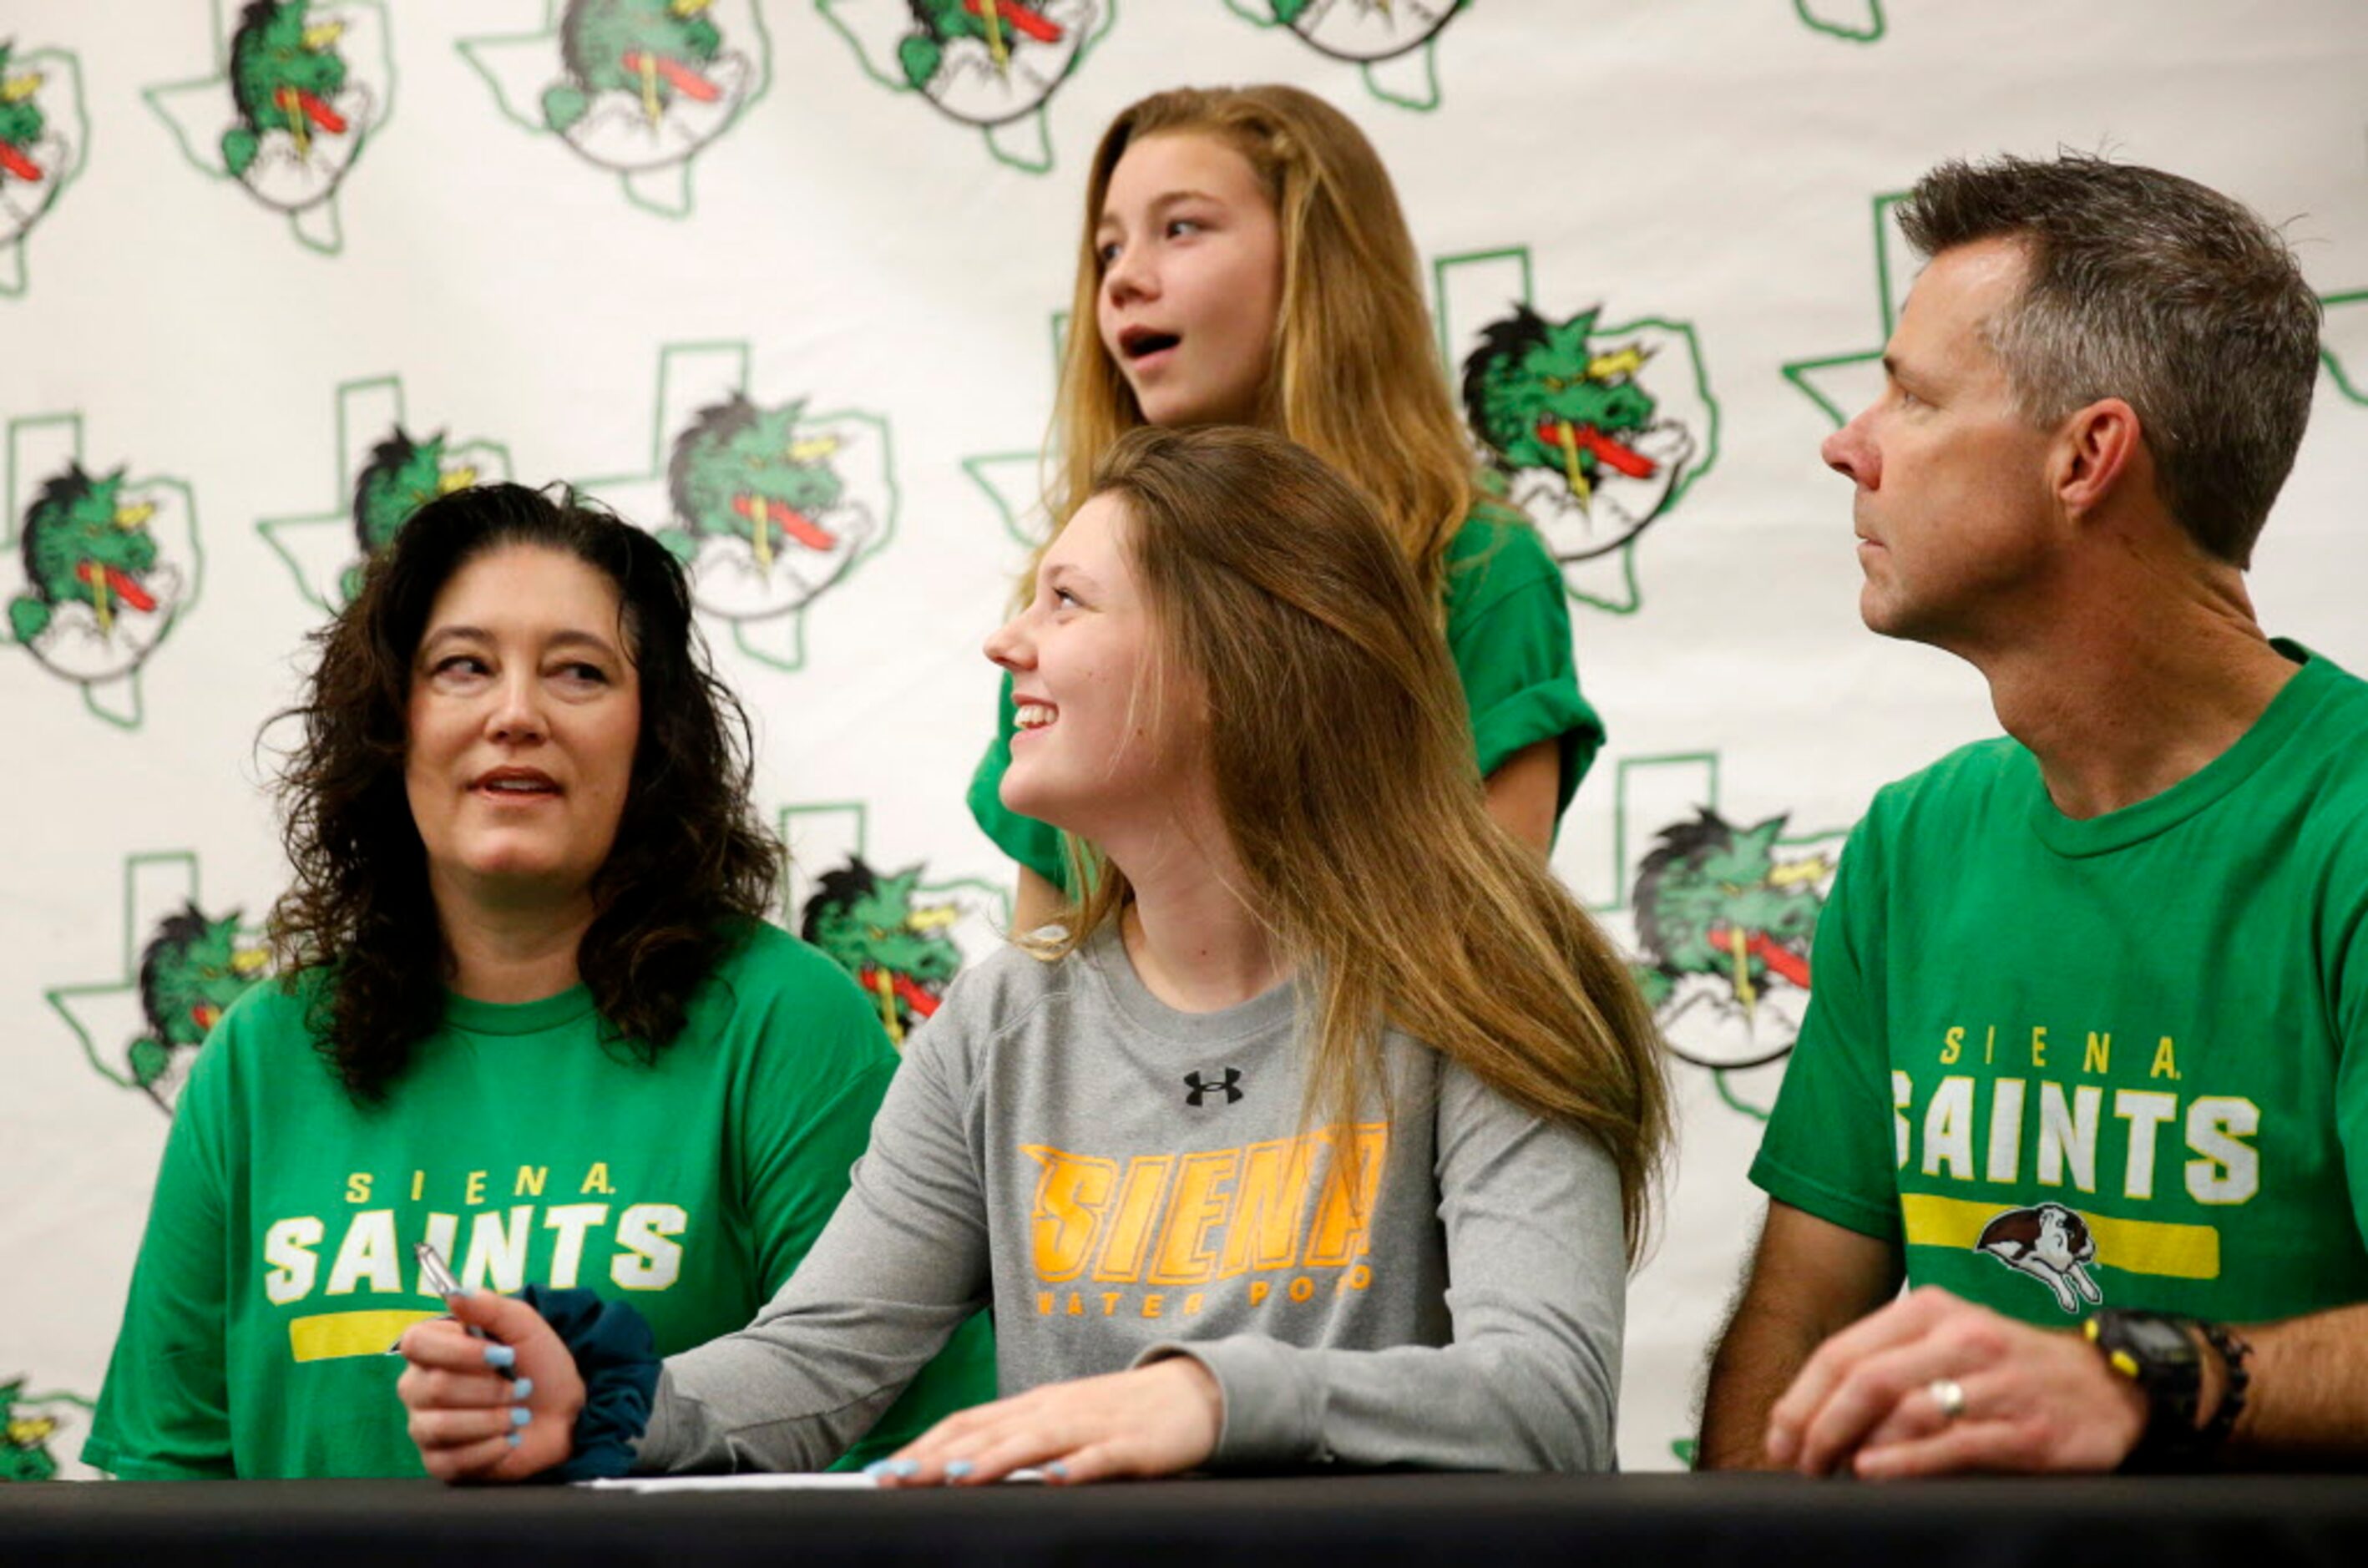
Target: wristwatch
(2160, 1353)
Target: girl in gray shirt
(1321, 1129)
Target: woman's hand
(502, 1409)
(1155, 1420)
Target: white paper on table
(821, 1480)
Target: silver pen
(440, 1278)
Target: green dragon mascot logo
(301, 117)
(1569, 419)
(307, 83)
(1725, 925)
(1364, 29)
(768, 505)
(1391, 38)
(103, 565)
(900, 951)
(991, 64)
(26, 1455)
(658, 56)
(384, 474)
(83, 545)
(763, 520)
(42, 135)
(193, 968)
(643, 86)
(402, 476)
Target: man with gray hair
(2087, 1057)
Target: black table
(1333, 1522)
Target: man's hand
(2033, 1399)
(1154, 1420)
(466, 1396)
(1809, 1279)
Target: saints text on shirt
(1968, 1127)
(637, 1247)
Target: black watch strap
(2162, 1352)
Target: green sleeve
(1829, 1146)
(163, 1412)
(2350, 1014)
(805, 1120)
(1033, 844)
(1508, 630)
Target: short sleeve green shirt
(2115, 1062)
(1509, 632)
(278, 1268)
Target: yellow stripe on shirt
(327, 1336)
(2134, 1246)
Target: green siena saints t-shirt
(1508, 630)
(2120, 1061)
(277, 1266)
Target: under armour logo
(1230, 1084)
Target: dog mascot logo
(900, 936)
(182, 969)
(1596, 430)
(100, 567)
(768, 505)
(2052, 1244)
(1391, 40)
(989, 64)
(43, 138)
(385, 472)
(640, 87)
(305, 85)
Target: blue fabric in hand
(618, 1362)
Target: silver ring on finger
(1949, 1396)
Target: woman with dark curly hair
(530, 1015)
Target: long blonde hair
(1355, 380)
(1344, 777)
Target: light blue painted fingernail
(957, 1469)
(516, 1438)
(1057, 1468)
(521, 1388)
(520, 1416)
(877, 1467)
(500, 1356)
(903, 1467)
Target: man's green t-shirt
(278, 1269)
(1509, 631)
(2120, 1061)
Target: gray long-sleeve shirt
(1123, 1181)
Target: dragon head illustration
(402, 476)
(83, 543)
(193, 968)
(745, 472)
(25, 1456)
(21, 120)
(656, 49)
(284, 73)
(998, 25)
(1543, 394)
(1713, 899)
(898, 950)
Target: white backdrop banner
(255, 318)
